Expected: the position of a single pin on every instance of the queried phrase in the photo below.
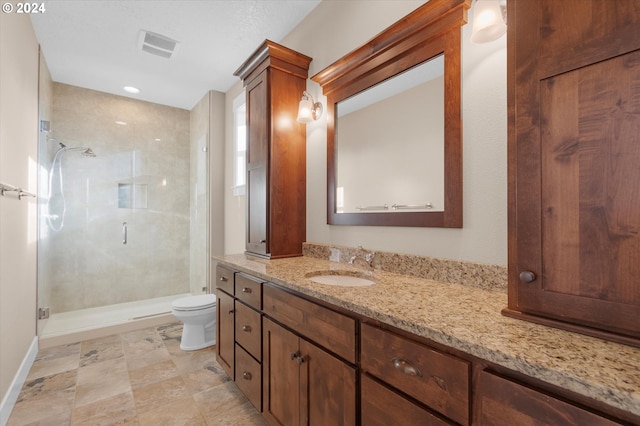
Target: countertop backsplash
(485, 276)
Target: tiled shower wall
(141, 147)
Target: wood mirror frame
(431, 30)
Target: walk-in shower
(109, 160)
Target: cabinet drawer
(439, 380)
(334, 331)
(249, 377)
(381, 406)
(224, 279)
(500, 401)
(249, 290)
(249, 329)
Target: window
(240, 152)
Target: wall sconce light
(309, 109)
(488, 21)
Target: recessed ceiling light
(121, 123)
(131, 89)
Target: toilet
(198, 314)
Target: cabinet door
(281, 375)
(225, 332)
(328, 388)
(574, 154)
(257, 164)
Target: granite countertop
(469, 319)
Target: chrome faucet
(364, 258)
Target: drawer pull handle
(406, 367)
(246, 375)
(246, 290)
(246, 328)
(231, 312)
(223, 278)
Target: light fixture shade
(488, 24)
(305, 110)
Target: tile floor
(136, 378)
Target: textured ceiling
(93, 43)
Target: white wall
(18, 218)
(335, 28)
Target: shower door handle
(124, 232)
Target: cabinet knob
(231, 312)
(294, 355)
(246, 328)
(246, 290)
(406, 367)
(246, 375)
(527, 276)
(223, 278)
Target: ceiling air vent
(157, 44)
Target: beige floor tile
(119, 409)
(58, 351)
(103, 349)
(102, 380)
(187, 361)
(55, 360)
(45, 400)
(140, 359)
(226, 405)
(53, 366)
(138, 378)
(153, 373)
(50, 385)
(174, 413)
(156, 395)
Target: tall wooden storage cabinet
(574, 174)
(275, 77)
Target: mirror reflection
(390, 144)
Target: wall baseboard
(11, 397)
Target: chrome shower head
(88, 153)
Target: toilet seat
(194, 303)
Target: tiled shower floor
(136, 378)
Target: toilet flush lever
(124, 232)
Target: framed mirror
(394, 131)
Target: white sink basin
(341, 278)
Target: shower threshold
(83, 324)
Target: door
(281, 375)
(575, 144)
(257, 162)
(328, 388)
(225, 332)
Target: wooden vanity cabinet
(434, 379)
(239, 331)
(225, 320)
(303, 383)
(574, 198)
(275, 78)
